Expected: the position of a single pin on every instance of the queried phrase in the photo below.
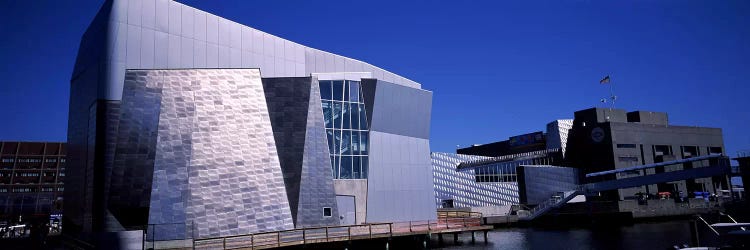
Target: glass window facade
(506, 171)
(346, 128)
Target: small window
(327, 212)
(628, 158)
(625, 145)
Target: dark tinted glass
(362, 117)
(356, 171)
(337, 114)
(325, 90)
(354, 92)
(346, 91)
(363, 145)
(328, 113)
(338, 90)
(346, 147)
(347, 116)
(346, 167)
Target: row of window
(31, 189)
(347, 142)
(340, 90)
(628, 158)
(349, 167)
(344, 115)
(506, 171)
(30, 160)
(31, 174)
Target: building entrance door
(347, 210)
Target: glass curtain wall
(346, 128)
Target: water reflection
(655, 235)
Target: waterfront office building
(206, 127)
(606, 139)
(31, 179)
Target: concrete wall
(660, 208)
(356, 188)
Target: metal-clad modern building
(178, 116)
(462, 181)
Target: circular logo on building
(597, 134)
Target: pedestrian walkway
(447, 223)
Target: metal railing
(336, 233)
(458, 214)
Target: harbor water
(644, 235)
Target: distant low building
(31, 179)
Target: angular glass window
(328, 113)
(362, 117)
(346, 91)
(336, 142)
(363, 161)
(363, 143)
(346, 142)
(357, 171)
(325, 90)
(338, 90)
(329, 134)
(337, 114)
(336, 171)
(355, 115)
(346, 167)
(333, 170)
(355, 142)
(347, 115)
(354, 92)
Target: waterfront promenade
(452, 223)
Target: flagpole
(612, 94)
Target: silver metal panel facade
(400, 180)
(461, 186)
(399, 187)
(142, 34)
(557, 134)
(401, 110)
(215, 166)
(316, 184)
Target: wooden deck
(445, 224)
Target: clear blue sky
(496, 69)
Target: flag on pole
(604, 80)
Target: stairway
(553, 202)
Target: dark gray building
(31, 179)
(607, 139)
